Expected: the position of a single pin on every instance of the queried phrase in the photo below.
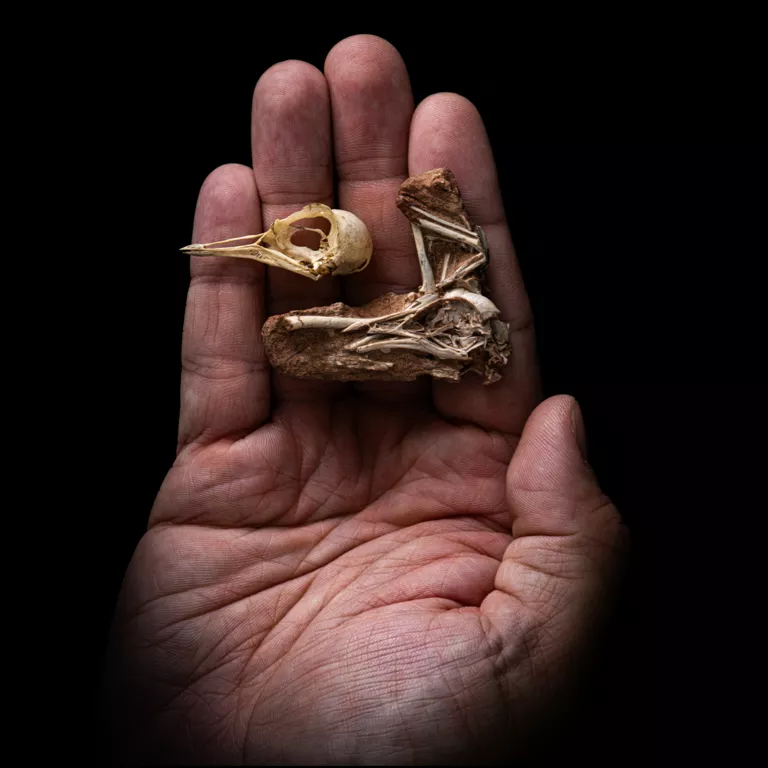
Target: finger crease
(298, 197)
(221, 367)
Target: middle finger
(372, 105)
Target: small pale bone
(295, 322)
(484, 306)
(358, 361)
(469, 266)
(420, 345)
(444, 222)
(427, 278)
(450, 233)
(421, 303)
(347, 247)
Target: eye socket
(305, 237)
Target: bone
(346, 249)
(427, 276)
(444, 329)
(450, 233)
(444, 222)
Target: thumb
(551, 489)
(557, 577)
(569, 544)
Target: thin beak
(248, 250)
(252, 250)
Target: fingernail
(577, 427)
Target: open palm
(367, 573)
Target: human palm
(340, 573)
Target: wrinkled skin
(338, 573)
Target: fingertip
(449, 115)
(371, 93)
(555, 407)
(448, 131)
(291, 138)
(545, 460)
(561, 422)
(371, 106)
(223, 182)
(445, 127)
(281, 79)
(355, 47)
(551, 423)
(551, 489)
(227, 204)
(437, 104)
(290, 125)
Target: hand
(339, 573)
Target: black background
(599, 227)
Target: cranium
(344, 249)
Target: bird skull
(344, 249)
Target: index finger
(447, 131)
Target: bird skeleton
(444, 329)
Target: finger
(447, 131)
(225, 380)
(557, 576)
(293, 166)
(292, 162)
(372, 108)
(372, 105)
